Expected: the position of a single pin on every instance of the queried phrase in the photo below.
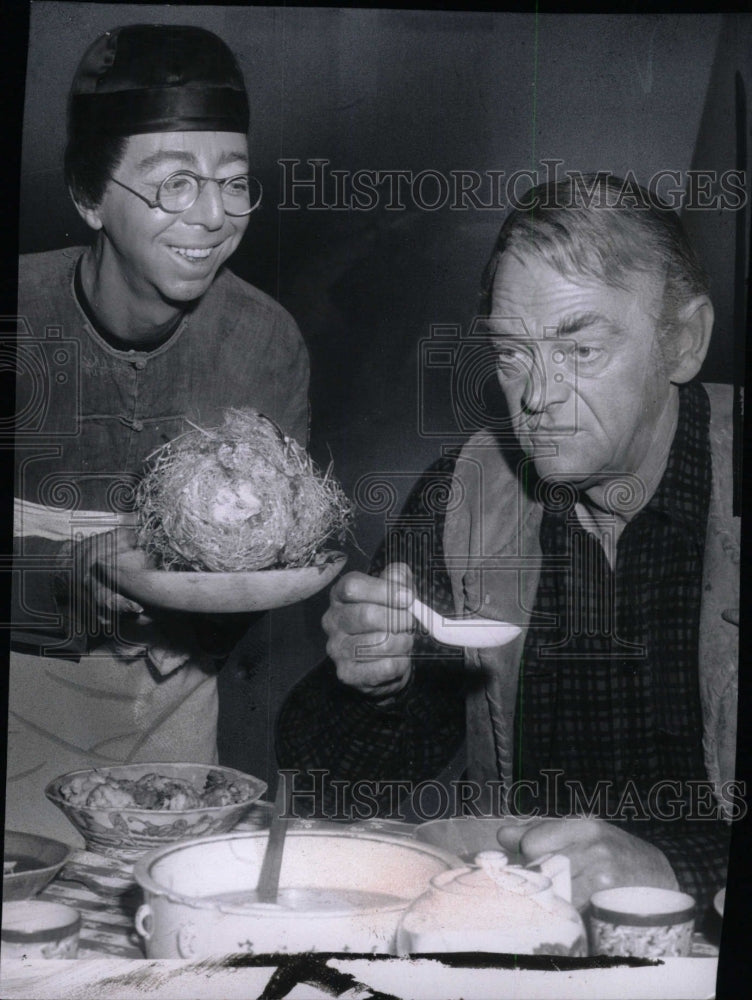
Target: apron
(111, 706)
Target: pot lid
(494, 875)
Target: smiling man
(596, 515)
(122, 343)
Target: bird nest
(238, 497)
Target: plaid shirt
(620, 705)
(610, 692)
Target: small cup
(641, 921)
(33, 928)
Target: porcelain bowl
(29, 863)
(33, 928)
(127, 832)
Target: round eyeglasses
(180, 190)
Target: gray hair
(603, 227)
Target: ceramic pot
(339, 891)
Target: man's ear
(89, 214)
(693, 327)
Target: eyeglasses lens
(179, 191)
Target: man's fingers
(547, 836)
(364, 647)
(110, 604)
(124, 605)
(392, 589)
(601, 855)
(374, 663)
(399, 581)
(370, 630)
(380, 644)
(374, 675)
(365, 619)
(511, 830)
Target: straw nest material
(238, 497)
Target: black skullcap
(158, 78)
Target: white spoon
(476, 632)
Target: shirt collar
(106, 335)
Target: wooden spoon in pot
(268, 883)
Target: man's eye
(585, 353)
(177, 184)
(237, 186)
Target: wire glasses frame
(179, 191)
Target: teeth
(192, 254)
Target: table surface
(103, 892)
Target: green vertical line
(521, 679)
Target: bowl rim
(69, 922)
(15, 878)
(27, 834)
(679, 907)
(143, 877)
(51, 790)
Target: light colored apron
(112, 706)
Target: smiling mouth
(196, 254)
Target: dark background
(411, 90)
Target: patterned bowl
(126, 832)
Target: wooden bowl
(213, 593)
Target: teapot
(493, 906)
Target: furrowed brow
(503, 326)
(581, 321)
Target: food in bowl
(155, 791)
(127, 809)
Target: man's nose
(208, 209)
(546, 382)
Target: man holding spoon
(596, 517)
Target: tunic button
(140, 364)
(137, 425)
